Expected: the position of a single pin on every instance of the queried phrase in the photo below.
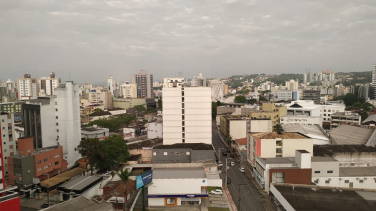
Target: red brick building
(39, 163)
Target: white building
(373, 81)
(327, 172)
(216, 90)
(94, 132)
(300, 120)
(328, 110)
(292, 85)
(55, 120)
(177, 186)
(128, 90)
(303, 107)
(129, 133)
(186, 113)
(29, 88)
(198, 80)
(282, 96)
(8, 141)
(155, 130)
(101, 97)
(112, 85)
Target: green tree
(219, 103)
(160, 103)
(357, 105)
(114, 152)
(350, 99)
(214, 110)
(229, 140)
(278, 128)
(251, 101)
(113, 123)
(140, 108)
(240, 99)
(97, 110)
(363, 115)
(124, 176)
(261, 98)
(367, 107)
(90, 148)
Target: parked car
(232, 164)
(241, 169)
(224, 153)
(228, 180)
(220, 163)
(216, 192)
(45, 205)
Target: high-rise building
(198, 80)
(55, 120)
(326, 75)
(101, 97)
(186, 113)
(113, 86)
(128, 90)
(31, 88)
(312, 94)
(144, 84)
(8, 141)
(216, 90)
(292, 85)
(373, 82)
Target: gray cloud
(92, 39)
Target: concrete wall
(356, 159)
(289, 146)
(324, 167)
(156, 201)
(155, 130)
(368, 182)
(261, 126)
(176, 186)
(48, 124)
(268, 148)
(171, 156)
(238, 129)
(292, 176)
(145, 154)
(301, 120)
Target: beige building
(32, 88)
(127, 103)
(128, 90)
(237, 127)
(271, 145)
(271, 111)
(101, 97)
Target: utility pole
(240, 196)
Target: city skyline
(164, 38)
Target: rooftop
(193, 146)
(134, 157)
(371, 118)
(348, 134)
(242, 141)
(178, 173)
(357, 171)
(90, 129)
(330, 150)
(79, 183)
(145, 144)
(37, 151)
(81, 204)
(279, 160)
(53, 181)
(274, 135)
(323, 159)
(313, 131)
(316, 198)
(102, 113)
(346, 114)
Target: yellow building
(282, 110)
(273, 115)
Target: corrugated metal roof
(181, 173)
(347, 134)
(370, 118)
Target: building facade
(198, 81)
(186, 113)
(8, 143)
(144, 84)
(373, 96)
(31, 88)
(216, 90)
(128, 90)
(311, 94)
(344, 118)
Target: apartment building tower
(373, 96)
(216, 90)
(8, 142)
(31, 88)
(144, 84)
(186, 113)
(198, 80)
(55, 121)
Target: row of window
(176, 153)
(329, 172)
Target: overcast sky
(91, 40)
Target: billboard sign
(144, 179)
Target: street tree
(124, 176)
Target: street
(250, 197)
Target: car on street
(228, 180)
(216, 192)
(241, 169)
(224, 153)
(45, 205)
(220, 163)
(232, 164)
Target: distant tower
(373, 96)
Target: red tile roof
(242, 141)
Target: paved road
(250, 197)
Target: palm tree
(124, 176)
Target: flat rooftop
(307, 198)
(36, 151)
(313, 131)
(91, 129)
(81, 204)
(193, 146)
(330, 150)
(345, 114)
(178, 173)
(279, 160)
(323, 159)
(79, 183)
(274, 135)
(145, 144)
(347, 134)
(357, 171)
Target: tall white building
(216, 90)
(373, 82)
(31, 88)
(112, 86)
(144, 84)
(292, 85)
(8, 141)
(101, 96)
(198, 80)
(128, 90)
(326, 75)
(55, 120)
(186, 113)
